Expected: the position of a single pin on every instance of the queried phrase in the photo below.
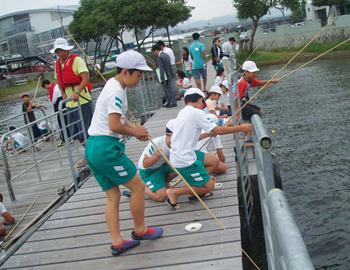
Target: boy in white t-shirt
(187, 130)
(18, 141)
(203, 145)
(105, 153)
(183, 82)
(8, 219)
(154, 171)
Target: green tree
(171, 14)
(88, 25)
(255, 9)
(298, 15)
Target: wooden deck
(28, 186)
(76, 236)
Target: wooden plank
(148, 254)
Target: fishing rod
(269, 81)
(247, 59)
(149, 138)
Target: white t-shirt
(170, 52)
(218, 80)
(112, 99)
(188, 63)
(187, 129)
(20, 139)
(150, 152)
(2, 208)
(56, 94)
(216, 141)
(186, 83)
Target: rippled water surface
(310, 112)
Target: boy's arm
(263, 82)
(149, 161)
(227, 130)
(205, 58)
(8, 219)
(221, 155)
(30, 107)
(41, 106)
(140, 132)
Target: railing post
(7, 172)
(295, 254)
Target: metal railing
(31, 146)
(241, 151)
(285, 247)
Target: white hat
(250, 66)
(216, 89)
(61, 43)
(170, 125)
(213, 118)
(197, 91)
(225, 83)
(132, 60)
(193, 90)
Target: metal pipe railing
(285, 247)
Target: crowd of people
(184, 141)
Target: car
(244, 35)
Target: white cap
(250, 66)
(213, 118)
(193, 91)
(132, 60)
(61, 43)
(225, 83)
(216, 89)
(170, 125)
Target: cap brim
(253, 70)
(145, 68)
(65, 48)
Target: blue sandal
(127, 245)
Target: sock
(121, 244)
(149, 230)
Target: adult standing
(165, 68)
(199, 64)
(170, 53)
(55, 98)
(73, 80)
(217, 54)
(229, 55)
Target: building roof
(69, 8)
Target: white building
(33, 32)
(324, 13)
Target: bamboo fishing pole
(149, 138)
(247, 59)
(30, 207)
(37, 85)
(150, 60)
(269, 81)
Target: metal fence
(146, 98)
(285, 247)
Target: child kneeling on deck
(105, 153)
(154, 171)
(186, 132)
(203, 145)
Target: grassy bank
(264, 57)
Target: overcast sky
(204, 9)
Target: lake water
(309, 111)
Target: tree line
(99, 20)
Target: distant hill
(218, 21)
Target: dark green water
(310, 112)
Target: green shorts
(183, 91)
(200, 155)
(187, 73)
(108, 162)
(155, 178)
(196, 175)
